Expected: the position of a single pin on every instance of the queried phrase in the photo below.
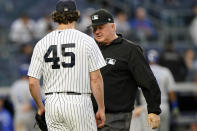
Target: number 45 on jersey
(55, 59)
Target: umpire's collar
(115, 41)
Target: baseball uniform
(21, 98)
(65, 58)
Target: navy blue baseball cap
(101, 17)
(66, 5)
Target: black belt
(68, 93)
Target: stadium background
(171, 19)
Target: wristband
(174, 104)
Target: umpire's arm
(34, 87)
(146, 80)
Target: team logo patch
(110, 61)
(95, 17)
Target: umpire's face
(104, 33)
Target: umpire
(126, 70)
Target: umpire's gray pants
(117, 122)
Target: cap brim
(97, 24)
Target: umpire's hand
(100, 118)
(154, 120)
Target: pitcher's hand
(100, 118)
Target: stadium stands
(169, 19)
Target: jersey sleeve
(95, 58)
(170, 81)
(35, 68)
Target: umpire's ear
(113, 26)
(78, 13)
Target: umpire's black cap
(66, 5)
(101, 17)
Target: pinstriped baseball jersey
(65, 58)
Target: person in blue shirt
(6, 120)
(142, 25)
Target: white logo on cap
(65, 9)
(95, 17)
(109, 19)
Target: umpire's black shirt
(127, 70)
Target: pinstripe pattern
(88, 58)
(70, 113)
(64, 58)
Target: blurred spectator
(24, 55)
(166, 83)
(193, 26)
(86, 21)
(143, 26)
(189, 57)
(22, 30)
(22, 101)
(6, 120)
(43, 27)
(122, 25)
(190, 63)
(171, 59)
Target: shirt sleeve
(170, 81)
(95, 57)
(35, 68)
(145, 79)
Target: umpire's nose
(96, 30)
